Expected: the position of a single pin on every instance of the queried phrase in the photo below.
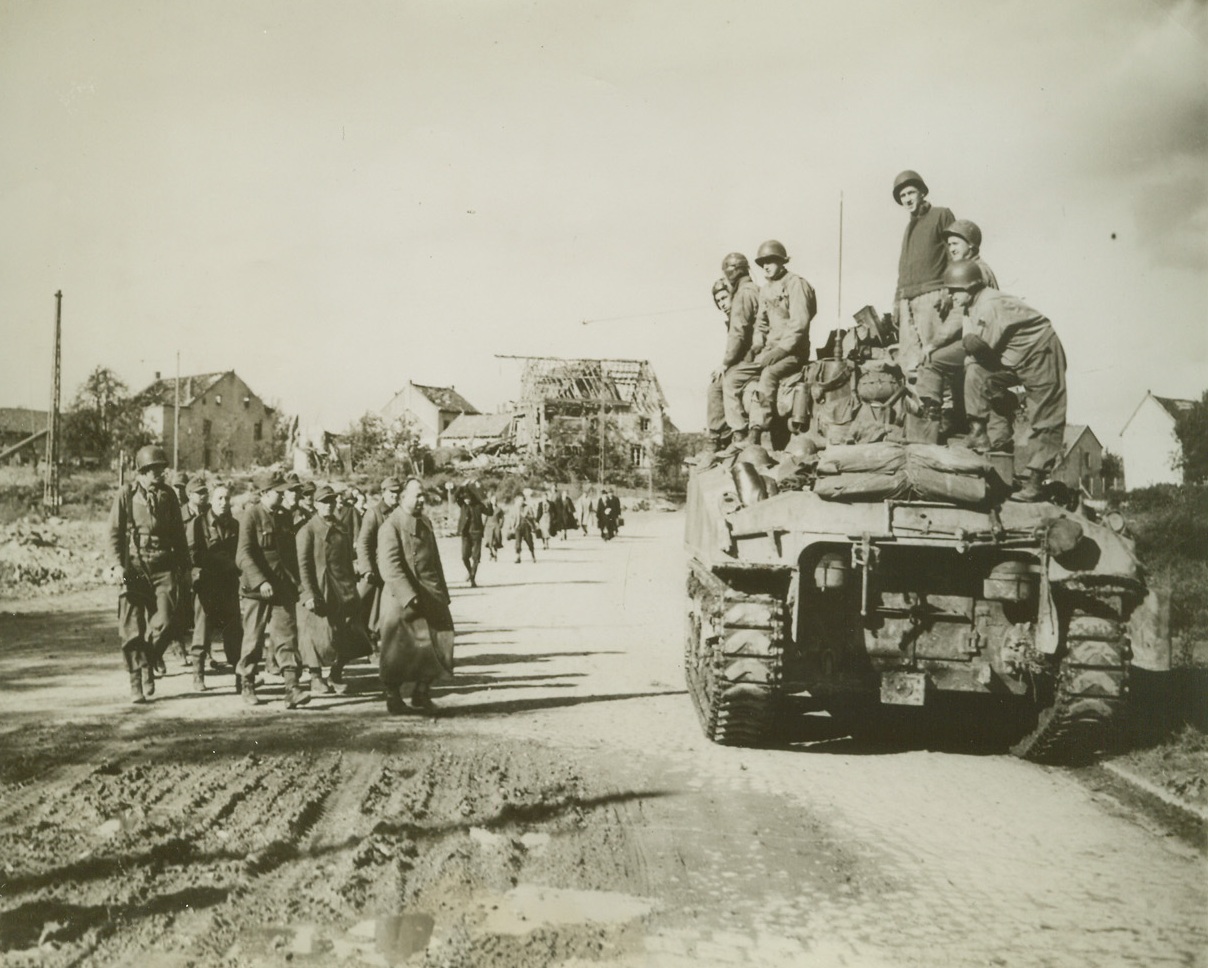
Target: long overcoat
(325, 568)
(416, 624)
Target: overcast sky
(333, 198)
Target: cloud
(1143, 123)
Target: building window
(206, 428)
(218, 399)
(257, 431)
(643, 424)
(635, 455)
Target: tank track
(1091, 685)
(733, 660)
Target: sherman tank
(849, 567)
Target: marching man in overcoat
(416, 625)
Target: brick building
(223, 424)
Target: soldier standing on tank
(267, 559)
(964, 239)
(148, 542)
(213, 543)
(921, 301)
(1010, 344)
(738, 366)
(369, 579)
(787, 306)
(941, 374)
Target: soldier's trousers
(268, 625)
(145, 609)
(715, 410)
(734, 382)
(944, 371)
(471, 552)
(769, 386)
(216, 609)
(918, 320)
(1042, 375)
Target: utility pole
(176, 420)
(50, 490)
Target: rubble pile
(51, 556)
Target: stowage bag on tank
(933, 485)
(862, 487)
(880, 458)
(948, 460)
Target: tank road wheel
(1081, 715)
(733, 662)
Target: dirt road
(563, 810)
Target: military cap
(964, 229)
(308, 487)
(197, 485)
(179, 478)
(269, 481)
(292, 482)
(325, 492)
(390, 484)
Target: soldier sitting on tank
(715, 404)
(1010, 344)
(787, 306)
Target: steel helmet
(735, 266)
(771, 250)
(964, 229)
(963, 275)
(150, 456)
(905, 178)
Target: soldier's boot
(148, 675)
(338, 684)
(295, 695)
(978, 440)
(318, 685)
(1033, 488)
(925, 428)
(247, 691)
(394, 701)
(136, 688)
(199, 677)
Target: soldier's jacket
(782, 325)
(213, 545)
(367, 540)
(740, 332)
(1012, 328)
(145, 530)
(266, 553)
(325, 562)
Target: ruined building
(556, 392)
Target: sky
(335, 198)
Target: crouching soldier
(267, 559)
(1010, 344)
(213, 542)
(148, 543)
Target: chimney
(157, 374)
